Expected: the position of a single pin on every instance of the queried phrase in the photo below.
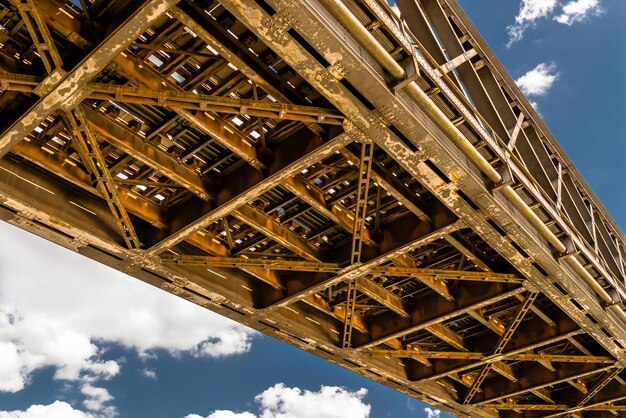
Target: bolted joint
(412, 71)
(531, 287)
(50, 82)
(570, 248)
(506, 175)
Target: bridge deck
(377, 192)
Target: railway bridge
(368, 186)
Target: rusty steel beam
(381, 295)
(436, 311)
(67, 169)
(553, 407)
(295, 265)
(520, 347)
(182, 99)
(597, 387)
(316, 198)
(492, 322)
(394, 187)
(135, 203)
(436, 283)
(277, 232)
(422, 152)
(88, 148)
(318, 76)
(66, 21)
(445, 334)
(337, 213)
(203, 290)
(40, 34)
(355, 271)
(207, 103)
(25, 83)
(66, 89)
(465, 355)
(240, 189)
(132, 144)
(502, 343)
(169, 167)
(458, 243)
(222, 42)
(538, 382)
(221, 131)
(338, 312)
(605, 405)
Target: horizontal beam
(433, 313)
(238, 190)
(64, 87)
(445, 334)
(550, 407)
(206, 103)
(381, 295)
(277, 232)
(355, 271)
(135, 146)
(559, 358)
(295, 265)
(212, 125)
(530, 386)
(315, 197)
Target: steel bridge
(372, 189)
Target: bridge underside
(269, 161)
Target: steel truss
(371, 189)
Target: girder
(372, 189)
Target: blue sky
(79, 340)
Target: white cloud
(96, 398)
(57, 409)
(529, 12)
(578, 10)
(280, 401)
(230, 414)
(329, 402)
(11, 379)
(539, 80)
(432, 412)
(58, 307)
(150, 374)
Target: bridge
(373, 190)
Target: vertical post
(360, 213)
(504, 340)
(559, 187)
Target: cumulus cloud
(57, 409)
(231, 414)
(432, 412)
(59, 309)
(577, 11)
(539, 80)
(97, 397)
(529, 12)
(280, 401)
